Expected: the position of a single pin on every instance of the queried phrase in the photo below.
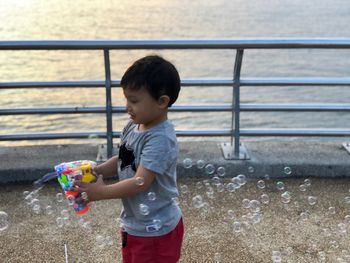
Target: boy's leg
(160, 249)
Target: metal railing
(232, 150)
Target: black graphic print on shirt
(126, 157)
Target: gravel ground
(218, 228)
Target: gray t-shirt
(153, 212)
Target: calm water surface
(136, 19)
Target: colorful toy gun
(67, 173)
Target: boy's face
(143, 108)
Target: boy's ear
(163, 101)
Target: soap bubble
(276, 257)
(286, 197)
(246, 203)
(221, 171)
(157, 224)
(302, 187)
(65, 214)
(37, 208)
(251, 169)
(175, 201)
(347, 199)
(60, 222)
(267, 177)
(144, 209)
(305, 215)
(231, 214)
(237, 226)
(200, 164)
(184, 189)
(342, 228)
(260, 184)
(139, 181)
(265, 199)
(197, 201)
(307, 182)
(216, 180)
(199, 185)
(217, 257)
(59, 197)
(87, 226)
(231, 187)
(287, 170)
(280, 185)
(49, 210)
(4, 221)
(236, 182)
(209, 169)
(254, 205)
(93, 136)
(321, 256)
(312, 200)
(25, 193)
(187, 163)
(242, 179)
(151, 196)
(220, 187)
(100, 241)
(331, 210)
(108, 241)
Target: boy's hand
(94, 191)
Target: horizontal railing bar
(183, 108)
(173, 44)
(187, 83)
(186, 133)
(295, 107)
(295, 132)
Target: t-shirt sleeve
(159, 153)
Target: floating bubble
(220, 188)
(276, 256)
(286, 197)
(49, 210)
(267, 177)
(209, 169)
(307, 182)
(59, 197)
(200, 164)
(237, 226)
(231, 214)
(216, 180)
(251, 169)
(265, 199)
(302, 187)
(151, 196)
(342, 228)
(246, 203)
(242, 179)
(84, 196)
(312, 200)
(199, 185)
(87, 226)
(197, 201)
(254, 205)
(4, 220)
(305, 215)
(260, 184)
(231, 187)
(37, 208)
(221, 171)
(280, 185)
(236, 182)
(25, 193)
(184, 189)
(144, 209)
(157, 223)
(100, 241)
(321, 256)
(59, 222)
(35, 202)
(287, 170)
(331, 210)
(187, 163)
(139, 181)
(93, 136)
(108, 241)
(65, 214)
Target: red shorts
(159, 249)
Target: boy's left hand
(94, 190)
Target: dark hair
(157, 75)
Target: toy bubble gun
(67, 173)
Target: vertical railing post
(235, 149)
(108, 85)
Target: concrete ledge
(305, 158)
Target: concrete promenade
(221, 229)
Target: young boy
(152, 221)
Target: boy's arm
(129, 187)
(108, 168)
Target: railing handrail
(235, 107)
(175, 44)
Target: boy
(152, 221)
